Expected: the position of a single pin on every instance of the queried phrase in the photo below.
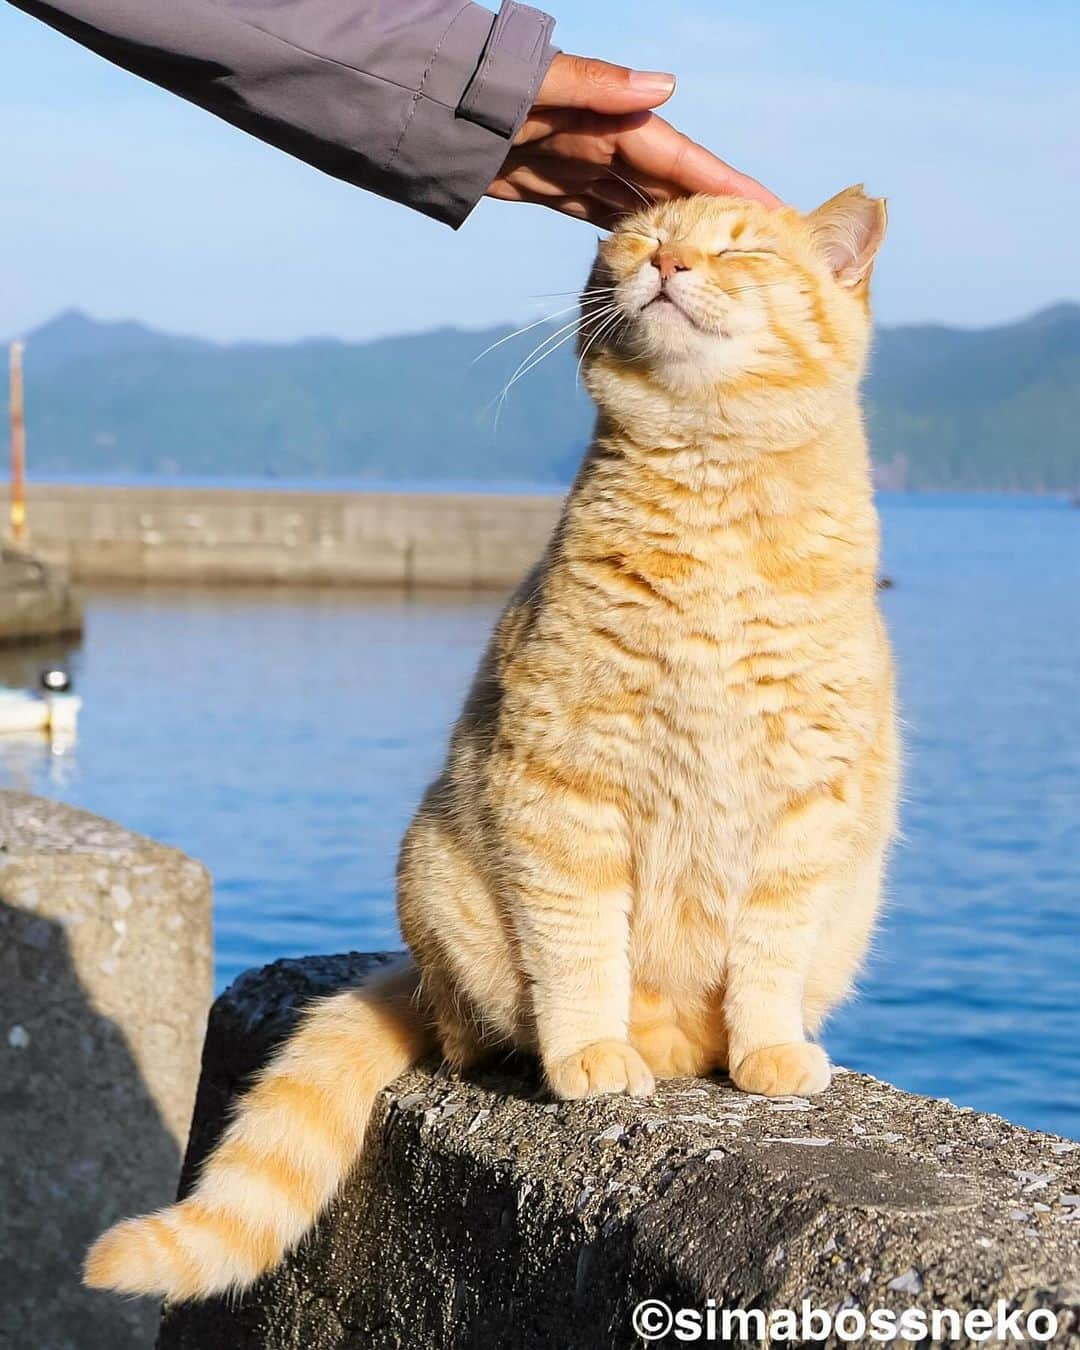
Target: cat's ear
(848, 230)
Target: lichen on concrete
(482, 1214)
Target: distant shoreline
(980, 409)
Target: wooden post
(18, 447)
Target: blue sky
(126, 202)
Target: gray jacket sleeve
(417, 100)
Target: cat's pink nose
(668, 261)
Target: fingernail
(652, 81)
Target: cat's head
(717, 295)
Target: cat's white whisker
(610, 324)
(548, 318)
(646, 197)
(540, 354)
(526, 328)
(582, 291)
(545, 348)
(540, 350)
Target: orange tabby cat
(656, 847)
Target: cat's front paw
(599, 1069)
(797, 1068)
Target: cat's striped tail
(294, 1138)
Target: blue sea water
(284, 737)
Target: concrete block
(483, 1216)
(36, 600)
(105, 981)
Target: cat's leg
(469, 970)
(458, 1027)
(843, 939)
(806, 876)
(772, 943)
(571, 897)
(847, 924)
(799, 940)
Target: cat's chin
(663, 307)
(681, 355)
(670, 332)
(690, 360)
(664, 319)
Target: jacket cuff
(477, 93)
(514, 62)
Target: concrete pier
(105, 981)
(187, 534)
(482, 1215)
(36, 600)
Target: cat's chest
(699, 786)
(732, 674)
(731, 731)
(704, 786)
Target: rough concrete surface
(36, 600)
(483, 1215)
(105, 981)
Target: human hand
(592, 148)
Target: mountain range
(994, 409)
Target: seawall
(482, 1215)
(195, 534)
